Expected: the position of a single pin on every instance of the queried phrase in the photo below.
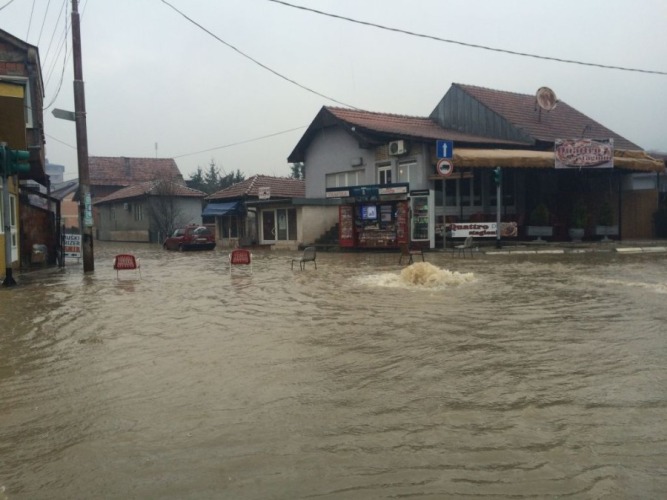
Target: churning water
(498, 377)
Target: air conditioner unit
(397, 148)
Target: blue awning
(219, 209)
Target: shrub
(539, 216)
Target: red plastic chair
(126, 262)
(240, 257)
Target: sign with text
(584, 153)
(72, 245)
(481, 229)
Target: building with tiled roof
(108, 174)
(517, 117)
(279, 187)
(262, 210)
(403, 179)
(148, 211)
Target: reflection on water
(498, 376)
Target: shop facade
(503, 168)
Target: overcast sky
(154, 78)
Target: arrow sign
(64, 114)
(444, 149)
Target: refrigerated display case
(420, 216)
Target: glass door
(269, 225)
(282, 223)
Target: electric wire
(55, 28)
(46, 13)
(62, 73)
(7, 4)
(466, 44)
(27, 35)
(61, 142)
(254, 139)
(256, 61)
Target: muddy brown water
(532, 376)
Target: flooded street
(502, 377)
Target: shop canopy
(220, 209)
(516, 158)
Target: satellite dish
(546, 98)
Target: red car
(190, 238)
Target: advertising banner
(481, 229)
(584, 153)
(72, 245)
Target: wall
(69, 212)
(315, 221)
(637, 214)
(332, 150)
(124, 227)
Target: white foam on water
(420, 275)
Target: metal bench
(126, 262)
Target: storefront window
(450, 192)
(279, 224)
(229, 226)
(477, 188)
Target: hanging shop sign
(584, 153)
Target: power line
(256, 61)
(470, 45)
(46, 13)
(61, 142)
(27, 35)
(7, 4)
(241, 142)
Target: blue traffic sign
(444, 149)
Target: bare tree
(163, 207)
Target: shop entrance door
(268, 225)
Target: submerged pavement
(528, 248)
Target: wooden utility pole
(85, 204)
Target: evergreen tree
(197, 180)
(298, 171)
(212, 178)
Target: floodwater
(532, 376)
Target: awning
(219, 209)
(518, 158)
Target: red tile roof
(375, 128)
(521, 110)
(401, 125)
(122, 171)
(149, 188)
(281, 187)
